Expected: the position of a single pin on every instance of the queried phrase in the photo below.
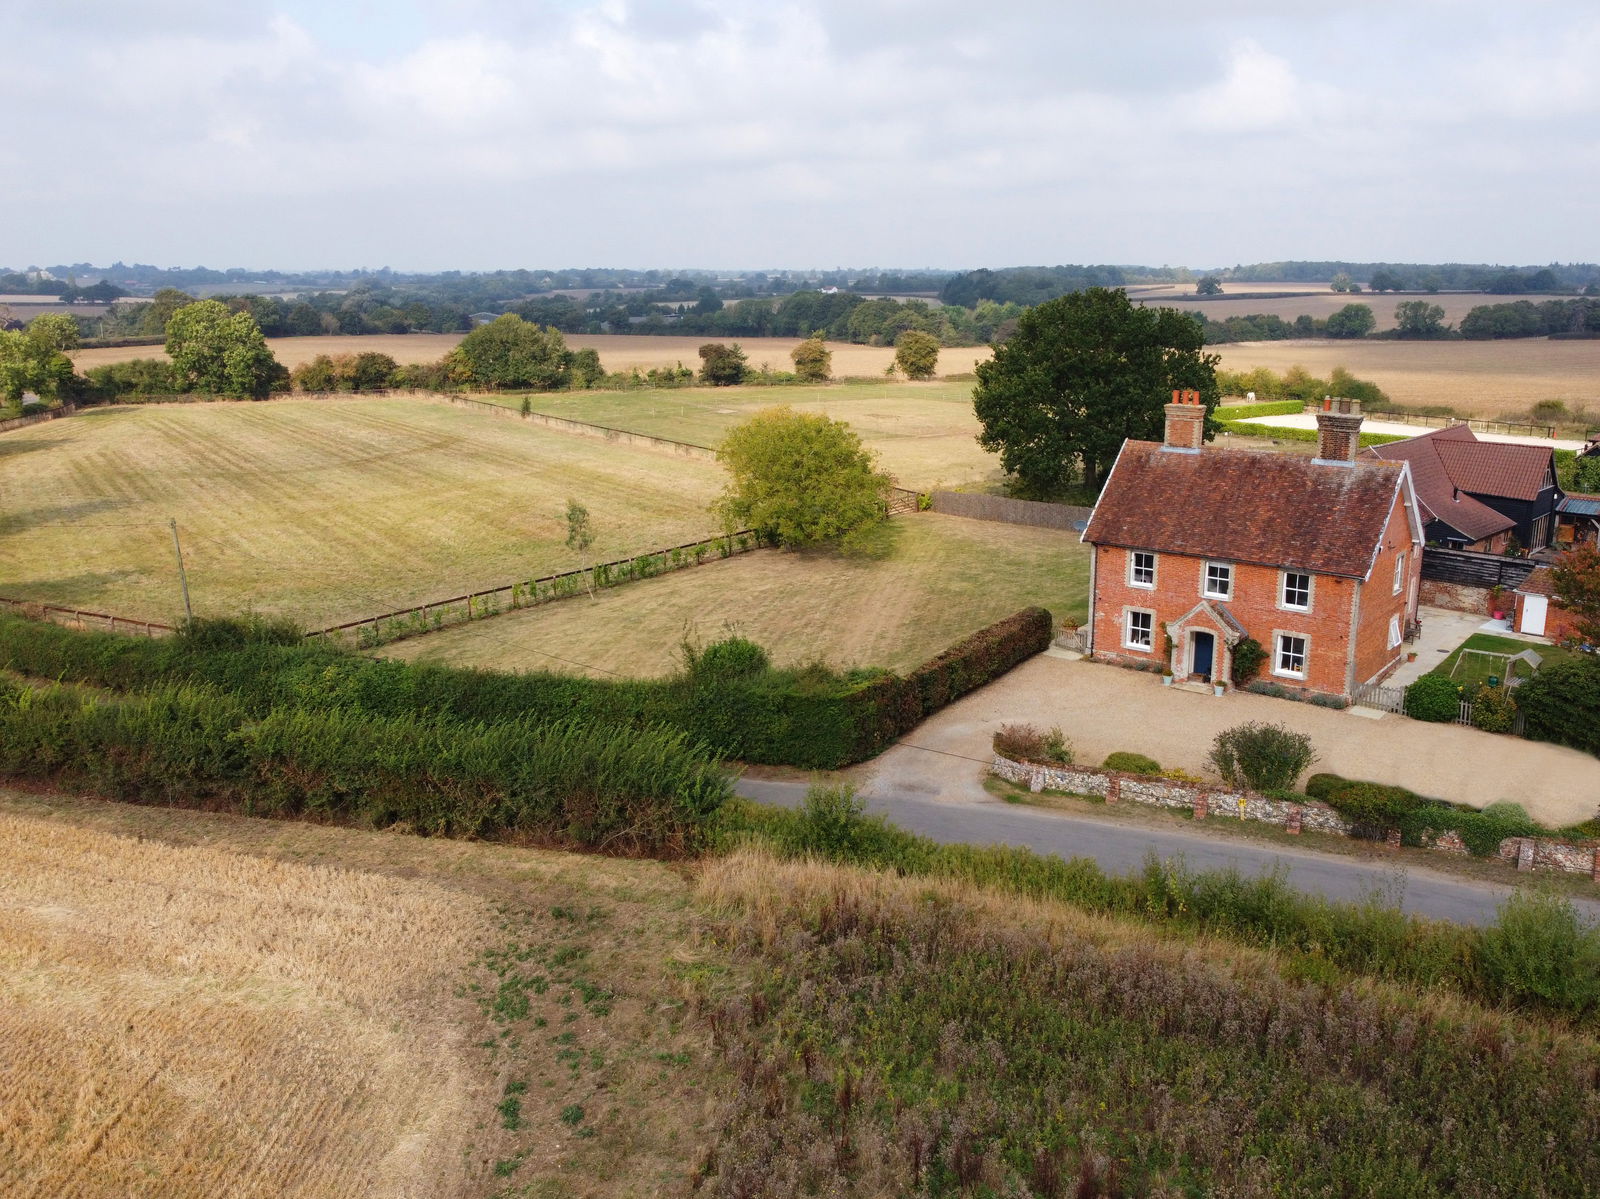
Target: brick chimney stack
(1186, 422)
(1338, 431)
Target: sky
(483, 134)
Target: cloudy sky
(476, 134)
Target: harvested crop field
(617, 351)
(323, 511)
(197, 1005)
(197, 1022)
(936, 580)
(1480, 378)
(924, 433)
(1316, 300)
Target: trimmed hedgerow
(1374, 808)
(810, 717)
(566, 783)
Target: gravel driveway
(1104, 708)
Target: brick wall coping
(1207, 800)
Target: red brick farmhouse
(1196, 548)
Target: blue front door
(1205, 648)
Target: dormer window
(1218, 583)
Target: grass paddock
(932, 580)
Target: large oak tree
(1081, 374)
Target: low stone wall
(1528, 853)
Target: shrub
(1561, 703)
(730, 658)
(1131, 763)
(1433, 697)
(1539, 952)
(1262, 757)
(832, 823)
(1023, 742)
(1248, 658)
(1493, 709)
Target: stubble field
(1480, 378)
(195, 1005)
(1311, 299)
(322, 511)
(933, 580)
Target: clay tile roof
(1246, 506)
(1518, 472)
(1443, 496)
(1538, 583)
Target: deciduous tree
(722, 365)
(218, 352)
(812, 360)
(916, 354)
(1081, 374)
(1209, 285)
(510, 352)
(34, 359)
(1418, 318)
(1353, 320)
(1576, 579)
(800, 478)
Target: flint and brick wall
(1527, 853)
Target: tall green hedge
(810, 718)
(567, 783)
(1561, 703)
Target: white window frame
(1399, 572)
(1133, 569)
(1283, 590)
(1277, 655)
(1127, 630)
(1394, 632)
(1205, 580)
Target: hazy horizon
(473, 135)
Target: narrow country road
(1120, 848)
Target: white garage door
(1533, 610)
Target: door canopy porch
(1204, 617)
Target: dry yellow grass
(196, 1005)
(941, 578)
(617, 351)
(197, 1022)
(1481, 378)
(320, 510)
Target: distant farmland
(617, 352)
(319, 510)
(1481, 378)
(1312, 299)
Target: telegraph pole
(183, 577)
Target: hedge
(1233, 412)
(1377, 807)
(811, 718)
(1284, 433)
(569, 783)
